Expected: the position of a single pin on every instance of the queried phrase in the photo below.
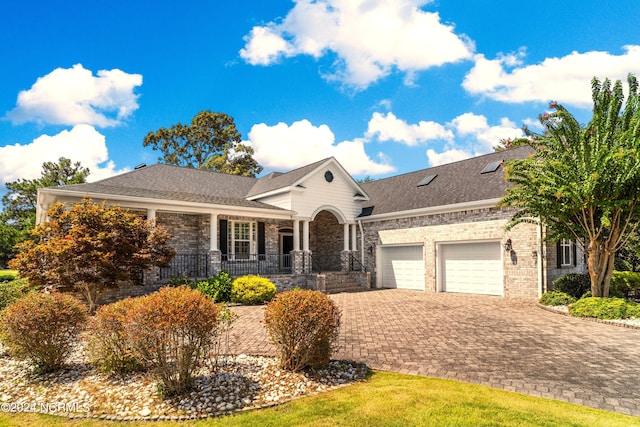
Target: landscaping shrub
(42, 328)
(172, 331)
(218, 287)
(622, 282)
(554, 298)
(7, 276)
(604, 308)
(176, 282)
(573, 284)
(303, 325)
(109, 347)
(11, 291)
(252, 290)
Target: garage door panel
(472, 268)
(403, 267)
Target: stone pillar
(297, 262)
(215, 262)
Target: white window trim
(231, 238)
(566, 246)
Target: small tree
(210, 142)
(89, 247)
(583, 183)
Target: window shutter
(261, 239)
(558, 254)
(575, 253)
(223, 236)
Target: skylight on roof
(492, 167)
(426, 180)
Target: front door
(286, 246)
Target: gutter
(361, 243)
(454, 207)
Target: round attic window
(328, 176)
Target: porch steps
(341, 281)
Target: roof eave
(433, 210)
(176, 205)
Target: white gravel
(242, 382)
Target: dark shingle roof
(278, 180)
(456, 182)
(176, 183)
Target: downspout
(361, 243)
(541, 260)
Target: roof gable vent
(426, 180)
(492, 167)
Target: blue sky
(386, 87)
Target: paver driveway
(507, 344)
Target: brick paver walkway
(506, 344)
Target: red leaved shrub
(304, 326)
(171, 331)
(42, 328)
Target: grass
(388, 399)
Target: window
(492, 167)
(565, 253)
(241, 239)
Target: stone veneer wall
(520, 266)
(326, 241)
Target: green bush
(218, 287)
(303, 325)
(8, 276)
(573, 284)
(252, 290)
(108, 347)
(604, 308)
(554, 298)
(622, 282)
(172, 331)
(176, 282)
(11, 291)
(42, 328)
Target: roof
(176, 183)
(278, 180)
(457, 182)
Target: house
(436, 229)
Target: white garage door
(403, 267)
(474, 268)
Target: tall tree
(210, 142)
(89, 247)
(19, 203)
(583, 182)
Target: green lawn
(388, 399)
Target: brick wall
(520, 266)
(326, 241)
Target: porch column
(151, 214)
(305, 235)
(296, 234)
(213, 232)
(346, 237)
(354, 243)
(215, 256)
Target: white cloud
(285, 147)
(485, 136)
(565, 79)
(447, 156)
(387, 127)
(71, 96)
(369, 38)
(80, 144)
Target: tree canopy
(19, 203)
(210, 142)
(89, 247)
(583, 182)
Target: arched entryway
(326, 241)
